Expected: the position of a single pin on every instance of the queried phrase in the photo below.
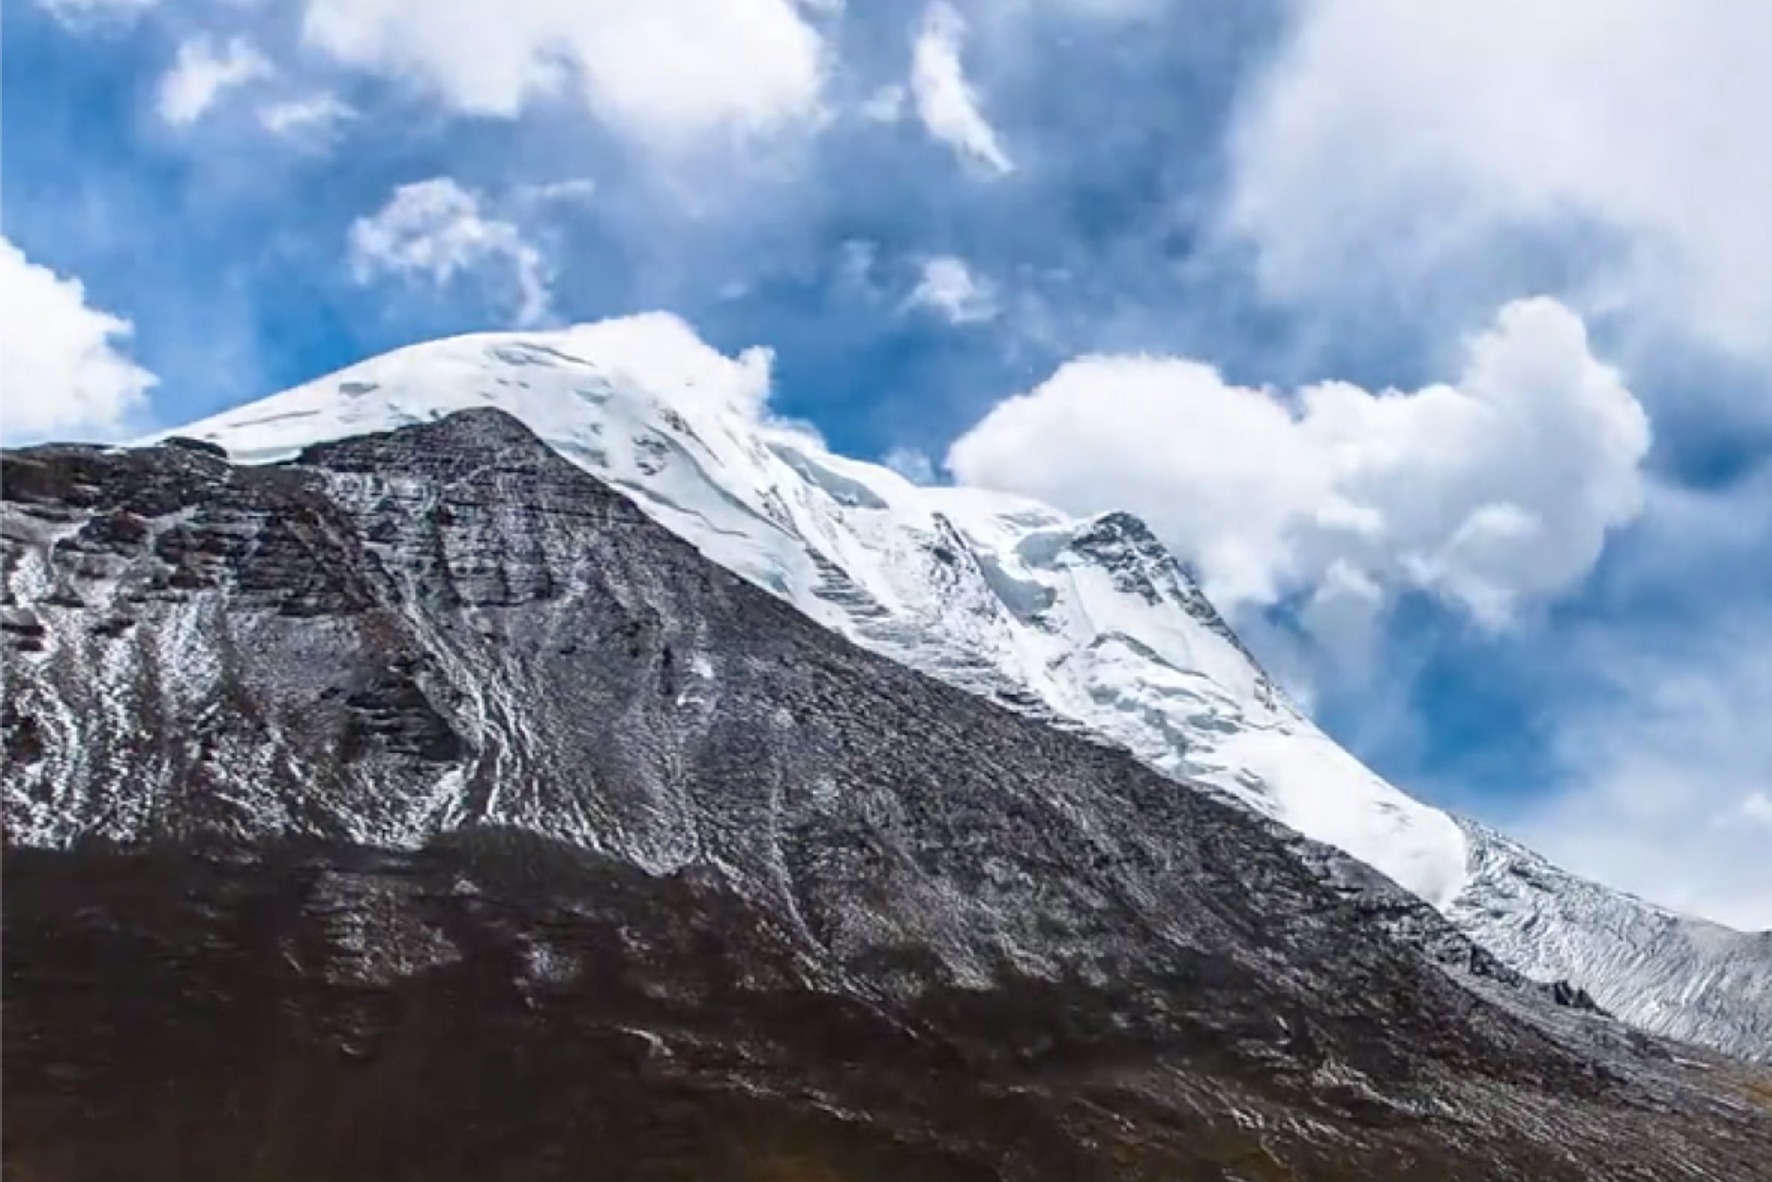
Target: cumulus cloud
(1491, 492)
(663, 68)
(947, 287)
(202, 71)
(66, 372)
(436, 230)
(1409, 136)
(943, 98)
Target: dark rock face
(1140, 564)
(422, 810)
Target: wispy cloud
(885, 105)
(203, 71)
(1668, 772)
(947, 287)
(944, 99)
(1756, 807)
(570, 190)
(84, 14)
(910, 463)
(315, 115)
(437, 230)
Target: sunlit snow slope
(1088, 623)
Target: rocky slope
(1088, 624)
(423, 809)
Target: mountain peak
(488, 426)
(1125, 545)
(1118, 525)
(485, 434)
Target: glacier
(1088, 624)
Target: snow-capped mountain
(1086, 623)
(421, 804)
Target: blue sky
(1106, 252)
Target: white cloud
(435, 230)
(944, 100)
(662, 68)
(1408, 136)
(947, 287)
(1671, 775)
(658, 351)
(1490, 493)
(64, 369)
(203, 69)
(316, 115)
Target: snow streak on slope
(1088, 622)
